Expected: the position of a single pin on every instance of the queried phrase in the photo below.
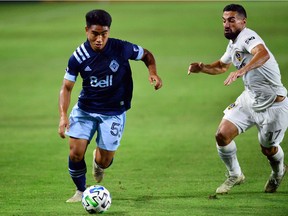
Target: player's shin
(228, 156)
(77, 171)
(277, 162)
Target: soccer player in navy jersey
(103, 64)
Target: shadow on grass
(146, 198)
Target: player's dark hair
(236, 7)
(98, 17)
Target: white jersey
(263, 84)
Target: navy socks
(77, 171)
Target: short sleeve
(226, 58)
(133, 51)
(140, 51)
(252, 41)
(71, 70)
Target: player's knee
(269, 151)
(222, 139)
(75, 157)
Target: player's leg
(80, 135)
(102, 159)
(270, 136)
(77, 166)
(237, 119)
(275, 156)
(108, 139)
(226, 148)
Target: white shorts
(271, 123)
(84, 125)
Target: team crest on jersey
(114, 65)
(238, 56)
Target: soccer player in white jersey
(263, 102)
(103, 64)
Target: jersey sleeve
(139, 50)
(72, 69)
(133, 51)
(226, 58)
(251, 41)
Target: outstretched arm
(215, 68)
(150, 63)
(64, 102)
(260, 56)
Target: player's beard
(231, 35)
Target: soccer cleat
(76, 197)
(230, 182)
(97, 172)
(274, 181)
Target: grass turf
(167, 163)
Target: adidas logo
(87, 69)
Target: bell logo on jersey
(114, 65)
(94, 82)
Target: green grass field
(167, 163)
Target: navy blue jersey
(107, 80)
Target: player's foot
(274, 181)
(76, 197)
(230, 182)
(97, 172)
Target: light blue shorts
(84, 125)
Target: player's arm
(260, 56)
(64, 102)
(150, 63)
(215, 68)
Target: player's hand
(63, 125)
(233, 76)
(156, 81)
(195, 67)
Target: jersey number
(273, 135)
(115, 129)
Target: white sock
(228, 156)
(97, 166)
(277, 162)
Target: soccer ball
(96, 199)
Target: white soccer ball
(96, 199)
